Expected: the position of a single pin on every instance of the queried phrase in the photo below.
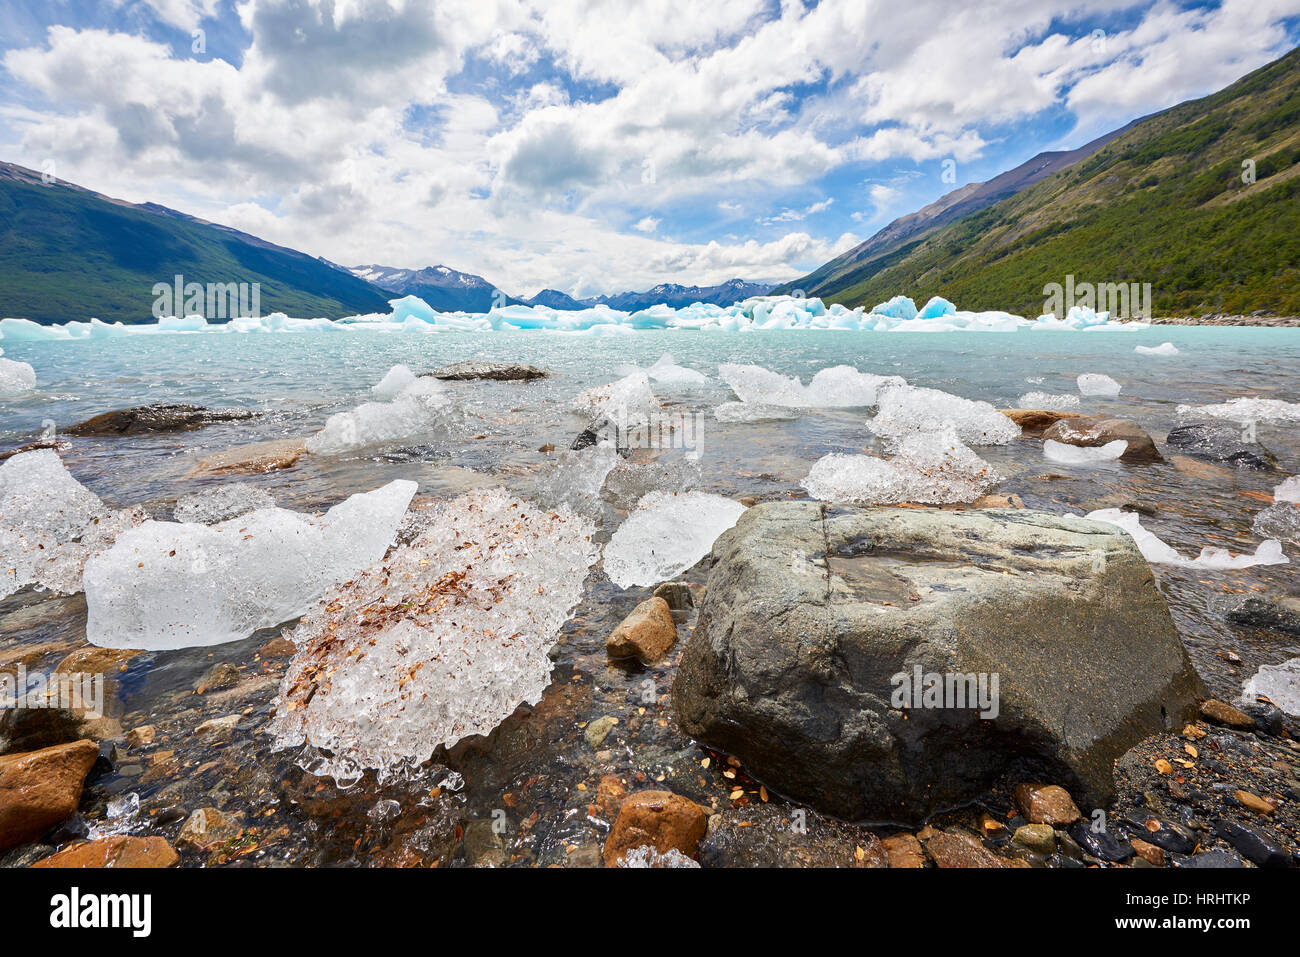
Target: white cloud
(647, 224)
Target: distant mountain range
(447, 289)
(1202, 201)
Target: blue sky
(585, 145)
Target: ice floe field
(510, 516)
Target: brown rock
(94, 661)
(117, 851)
(1148, 852)
(207, 827)
(904, 851)
(1046, 804)
(677, 594)
(153, 419)
(610, 793)
(1202, 470)
(38, 789)
(999, 501)
(1094, 431)
(660, 819)
(1218, 712)
(278, 648)
(257, 457)
(1037, 837)
(648, 633)
(1034, 421)
(1255, 803)
(953, 849)
(141, 737)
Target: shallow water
(538, 764)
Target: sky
(585, 145)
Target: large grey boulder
(812, 611)
(498, 371)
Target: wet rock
(207, 828)
(1034, 421)
(1254, 845)
(1256, 611)
(152, 419)
(1214, 858)
(1201, 470)
(677, 595)
(1254, 803)
(117, 851)
(795, 665)
(1220, 713)
(1046, 804)
(1037, 837)
(1219, 442)
(1166, 835)
(483, 845)
(38, 789)
(766, 836)
(220, 675)
(999, 501)
(91, 660)
(278, 648)
(1100, 844)
(35, 725)
(660, 819)
(1095, 431)
(585, 855)
(25, 855)
(36, 446)
(610, 793)
(597, 731)
(218, 726)
(496, 371)
(269, 456)
(954, 849)
(647, 634)
(904, 851)
(1150, 853)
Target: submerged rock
(269, 456)
(648, 634)
(818, 621)
(1221, 443)
(1256, 611)
(152, 419)
(497, 371)
(1095, 431)
(119, 850)
(1034, 421)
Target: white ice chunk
(835, 387)
(1046, 400)
(576, 479)
(40, 499)
(647, 856)
(1081, 455)
(16, 378)
(665, 535)
(57, 566)
(443, 640)
(905, 409)
(419, 408)
(172, 585)
(1288, 491)
(666, 371)
(1280, 520)
(395, 380)
(934, 468)
(1164, 349)
(629, 482)
(221, 502)
(628, 398)
(1154, 550)
(1247, 409)
(1096, 383)
(1279, 683)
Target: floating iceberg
(905, 409)
(220, 503)
(415, 410)
(667, 534)
(1246, 410)
(16, 378)
(1045, 400)
(1164, 349)
(169, 585)
(835, 387)
(1280, 684)
(932, 467)
(1154, 550)
(441, 641)
(1080, 455)
(1095, 383)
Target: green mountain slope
(1164, 203)
(67, 253)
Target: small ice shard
(442, 640)
(415, 410)
(1046, 400)
(576, 479)
(395, 380)
(934, 468)
(16, 378)
(905, 409)
(754, 412)
(1079, 455)
(665, 535)
(647, 856)
(1247, 409)
(834, 387)
(628, 398)
(1279, 683)
(220, 503)
(1164, 349)
(1269, 552)
(169, 585)
(1288, 491)
(40, 499)
(1095, 383)
(666, 371)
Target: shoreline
(1268, 322)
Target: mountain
(442, 287)
(671, 294)
(1171, 201)
(554, 299)
(69, 253)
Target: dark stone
(1170, 835)
(1101, 844)
(1219, 442)
(496, 371)
(152, 419)
(1254, 846)
(1096, 431)
(1217, 857)
(73, 829)
(1256, 611)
